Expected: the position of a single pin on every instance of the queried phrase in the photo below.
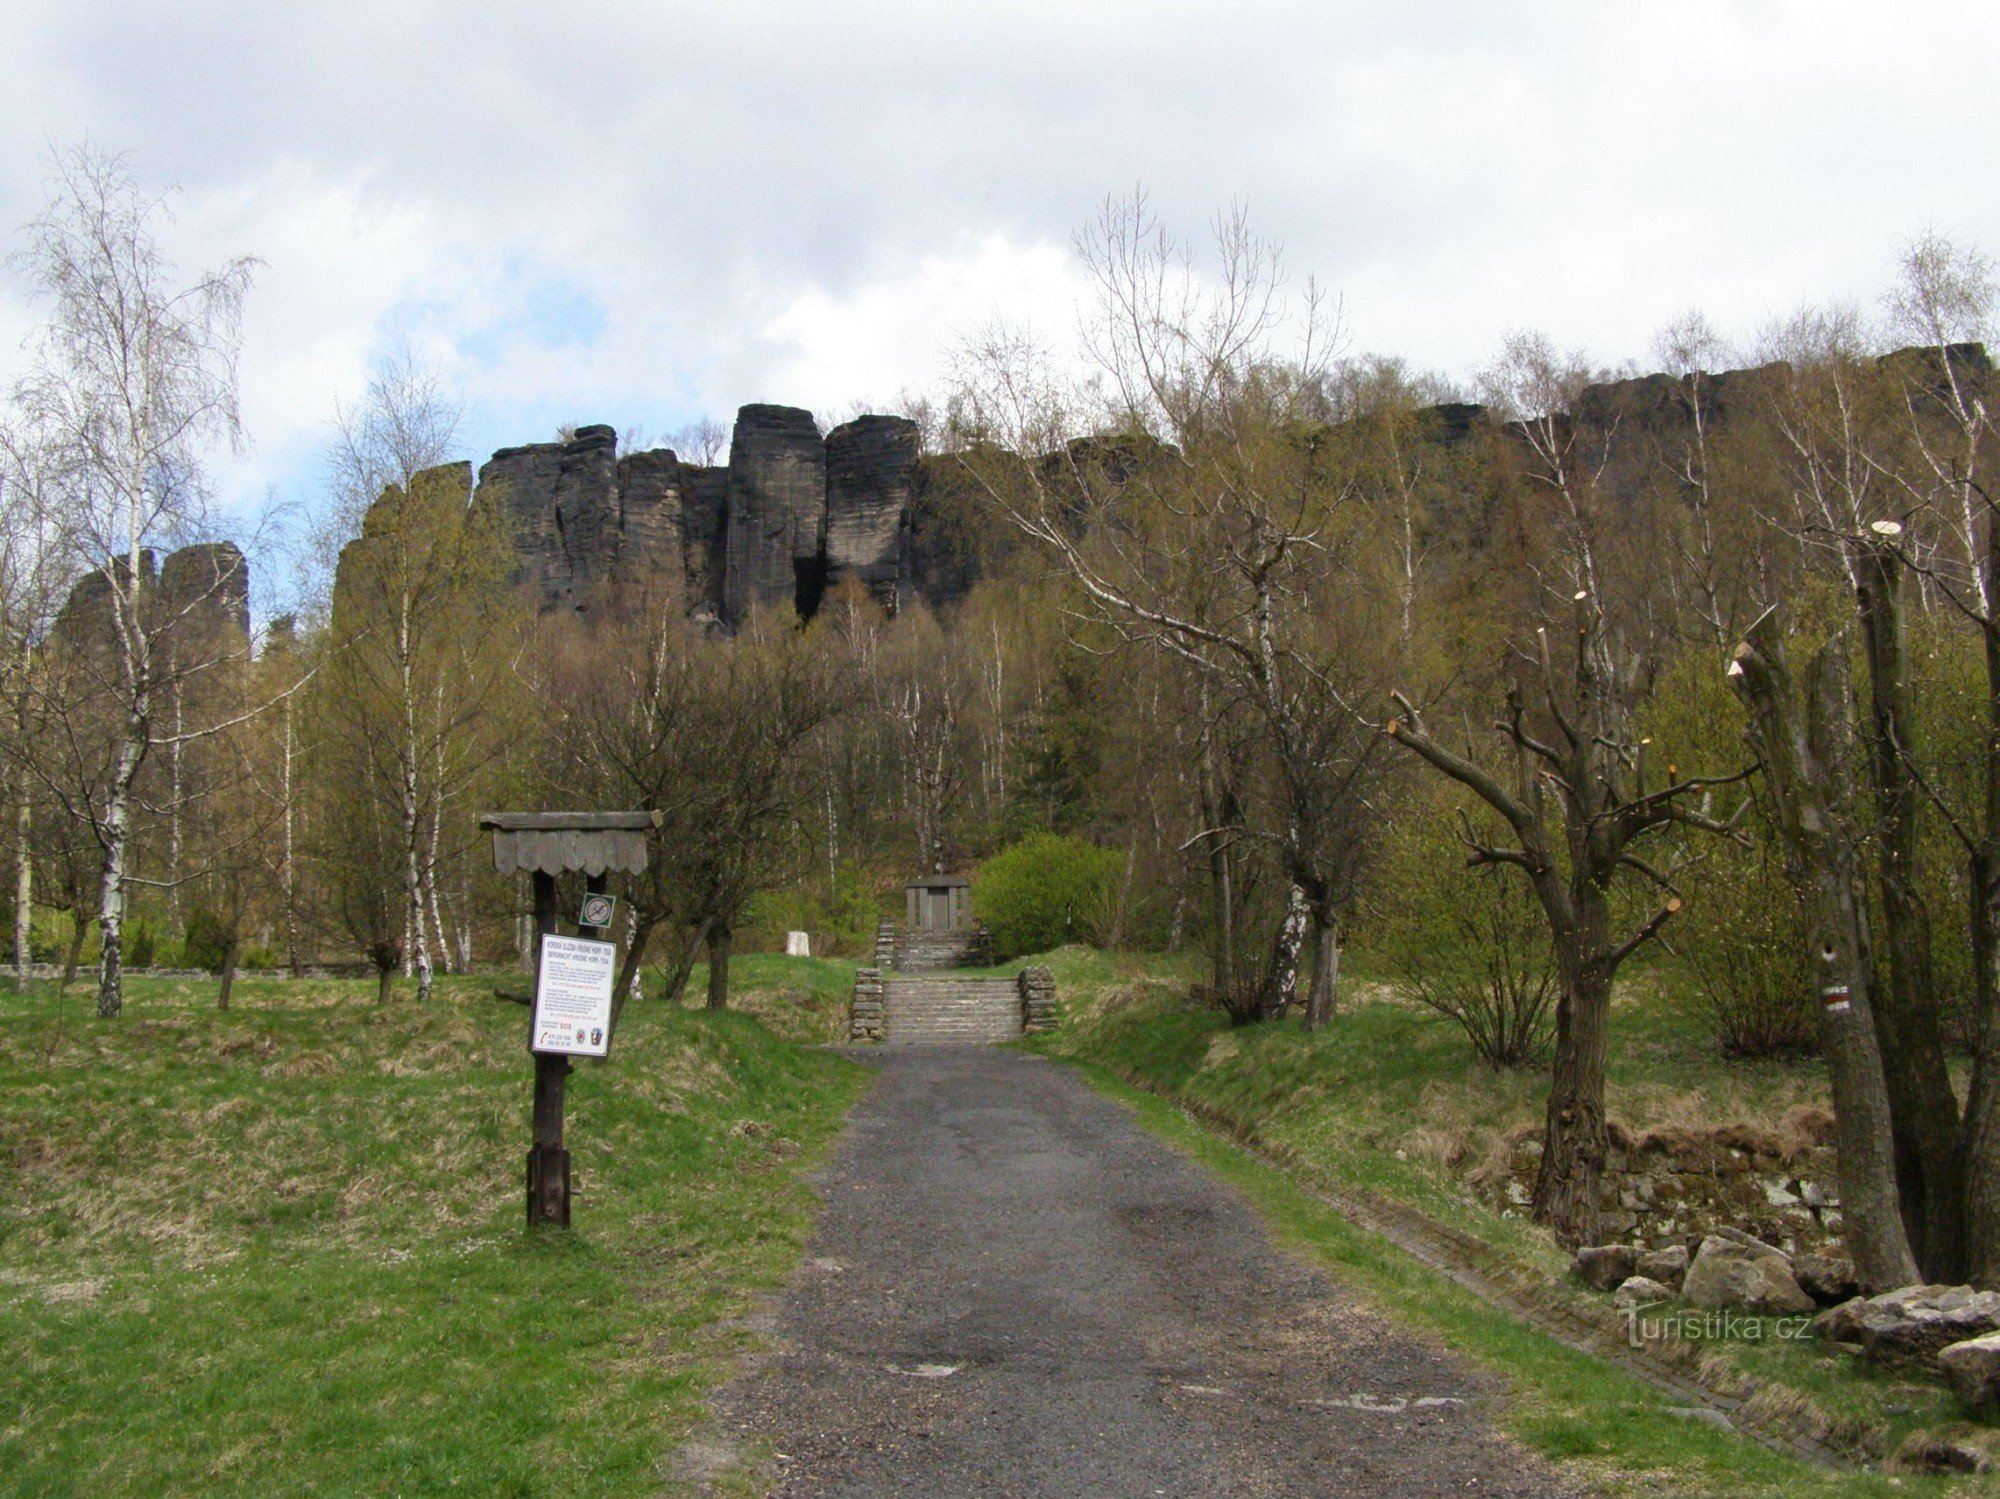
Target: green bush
(139, 945)
(1044, 891)
(206, 942)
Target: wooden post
(548, 1161)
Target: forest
(1276, 652)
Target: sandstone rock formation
(791, 515)
(199, 602)
(777, 513)
(871, 482)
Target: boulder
(1642, 1291)
(1910, 1327)
(1973, 1368)
(1747, 1241)
(1828, 1278)
(1668, 1266)
(1734, 1276)
(1604, 1267)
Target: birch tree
(1197, 498)
(130, 381)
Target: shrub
(140, 943)
(1470, 944)
(1044, 891)
(1742, 940)
(206, 942)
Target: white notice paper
(573, 996)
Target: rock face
(561, 501)
(871, 482)
(777, 513)
(704, 530)
(200, 607)
(791, 516)
(1730, 1276)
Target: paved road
(1016, 1291)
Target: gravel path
(1016, 1291)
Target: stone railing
(1038, 999)
(885, 944)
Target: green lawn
(281, 1250)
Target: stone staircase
(935, 952)
(947, 1010)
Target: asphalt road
(1016, 1291)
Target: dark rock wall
(650, 502)
(704, 533)
(871, 483)
(791, 515)
(777, 512)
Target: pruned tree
(1806, 748)
(1581, 800)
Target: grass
(1390, 1100)
(282, 1250)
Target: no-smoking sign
(598, 910)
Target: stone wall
(864, 1010)
(1038, 999)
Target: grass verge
(1389, 1103)
(281, 1250)
(1567, 1405)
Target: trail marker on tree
(572, 1006)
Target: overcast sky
(646, 213)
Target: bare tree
(1201, 506)
(1607, 801)
(131, 377)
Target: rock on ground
(1828, 1278)
(1603, 1267)
(1640, 1291)
(1731, 1275)
(1973, 1367)
(1669, 1266)
(1911, 1326)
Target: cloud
(646, 212)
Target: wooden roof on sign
(553, 842)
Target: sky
(645, 214)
